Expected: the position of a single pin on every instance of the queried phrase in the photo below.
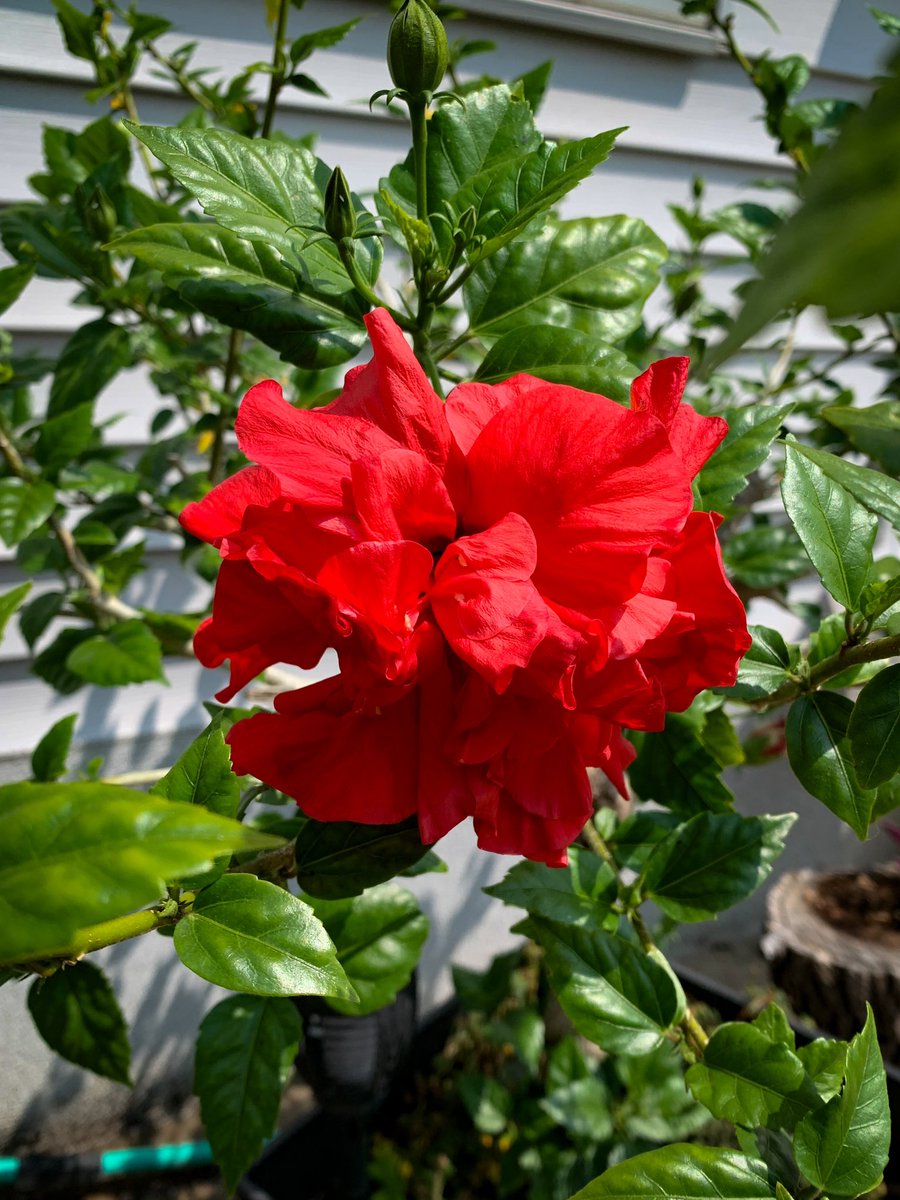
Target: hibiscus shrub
(519, 582)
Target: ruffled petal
(393, 393)
(222, 511)
(658, 391)
(401, 496)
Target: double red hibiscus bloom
(508, 579)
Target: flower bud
(418, 54)
(340, 215)
(98, 213)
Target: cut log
(829, 972)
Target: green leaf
(244, 1057)
(676, 770)
(13, 281)
(773, 1022)
(90, 359)
(818, 749)
(765, 665)
(683, 1172)
(824, 1061)
(751, 430)
(611, 991)
(203, 774)
(341, 858)
(77, 1015)
(637, 837)
(875, 430)
(77, 29)
(312, 321)
(842, 1148)
(483, 991)
(62, 439)
(878, 492)
(50, 664)
(836, 530)
(487, 1102)
(252, 936)
(747, 1079)
(559, 355)
(658, 1107)
(128, 653)
(590, 274)
(582, 1108)
(10, 602)
(24, 507)
(889, 22)
(878, 596)
(765, 556)
(523, 1030)
(851, 200)
(74, 854)
(874, 729)
(323, 39)
(720, 738)
(713, 861)
(378, 937)
(580, 894)
(48, 761)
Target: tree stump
(833, 943)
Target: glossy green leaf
(818, 748)
(877, 491)
(339, 859)
(203, 774)
(579, 894)
(634, 840)
(713, 861)
(851, 200)
(824, 1061)
(874, 429)
(751, 430)
(113, 850)
(13, 281)
(676, 770)
(842, 1148)
(582, 1108)
(487, 1101)
(128, 653)
(90, 359)
(252, 936)
(611, 991)
(244, 1057)
(592, 275)
(48, 761)
(312, 321)
(62, 439)
(11, 602)
(765, 556)
(684, 1172)
(266, 191)
(559, 355)
(747, 1079)
(24, 507)
(837, 531)
(379, 937)
(874, 729)
(765, 666)
(77, 1015)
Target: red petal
(310, 452)
(598, 484)
(392, 391)
(400, 496)
(658, 391)
(222, 511)
(338, 767)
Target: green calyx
(418, 54)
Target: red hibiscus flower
(508, 579)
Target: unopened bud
(99, 214)
(340, 215)
(418, 54)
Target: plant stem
(848, 656)
(274, 864)
(351, 266)
(110, 933)
(419, 124)
(276, 79)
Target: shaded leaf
(77, 1015)
(818, 749)
(874, 729)
(48, 761)
(676, 770)
(10, 602)
(579, 894)
(341, 858)
(128, 653)
(751, 431)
